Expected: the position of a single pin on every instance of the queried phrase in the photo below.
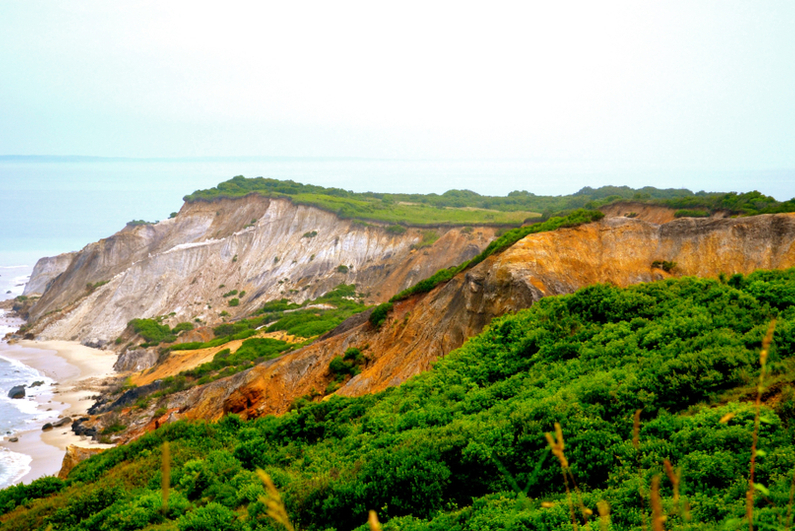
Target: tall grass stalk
(657, 513)
(604, 515)
(165, 477)
(372, 520)
(557, 446)
(760, 388)
(273, 501)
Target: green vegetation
(295, 319)
(92, 286)
(154, 332)
(462, 446)
(578, 217)
(136, 222)
(747, 204)
(379, 313)
(691, 214)
(428, 238)
(343, 367)
(456, 207)
(230, 293)
(342, 269)
(311, 322)
(664, 265)
(20, 495)
(181, 327)
(464, 207)
(234, 302)
(310, 234)
(396, 229)
(252, 351)
(116, 427)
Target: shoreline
(79, 373)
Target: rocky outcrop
(74, 456)
(268, 248)
(420, 330)
(135, 360)
(45, 271)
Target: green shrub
(21, 494)
(342, 269)
(664, 265)
(686, 213)
(379, 313)
(137, 222)
(461, 447)
(116, 427)
(234, 302)
(211, 517)
(181, 327)
(428, 238)
(396, 229)
(310, 234)
(229, 293)
(152, 331)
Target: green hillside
(464, 207)
(463, 446)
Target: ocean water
(18, 414)
(13, 279)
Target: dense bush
(466, 207)
(21, 494)
(379, 313)
(462, 448)
(152, 331)
(689, 213)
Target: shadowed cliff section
(421, 329)
(267, 248)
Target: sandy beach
(78, 372)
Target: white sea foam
(13, 466)
(13, 280)
(19, 414)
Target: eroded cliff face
(269, 248)
(45, 271)
(423, 328)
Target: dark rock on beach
(127, 398)
(62, 422)
(18, 391)
(79, 429)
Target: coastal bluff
(268, 248)
(423, 328)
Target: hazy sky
(631, 88)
